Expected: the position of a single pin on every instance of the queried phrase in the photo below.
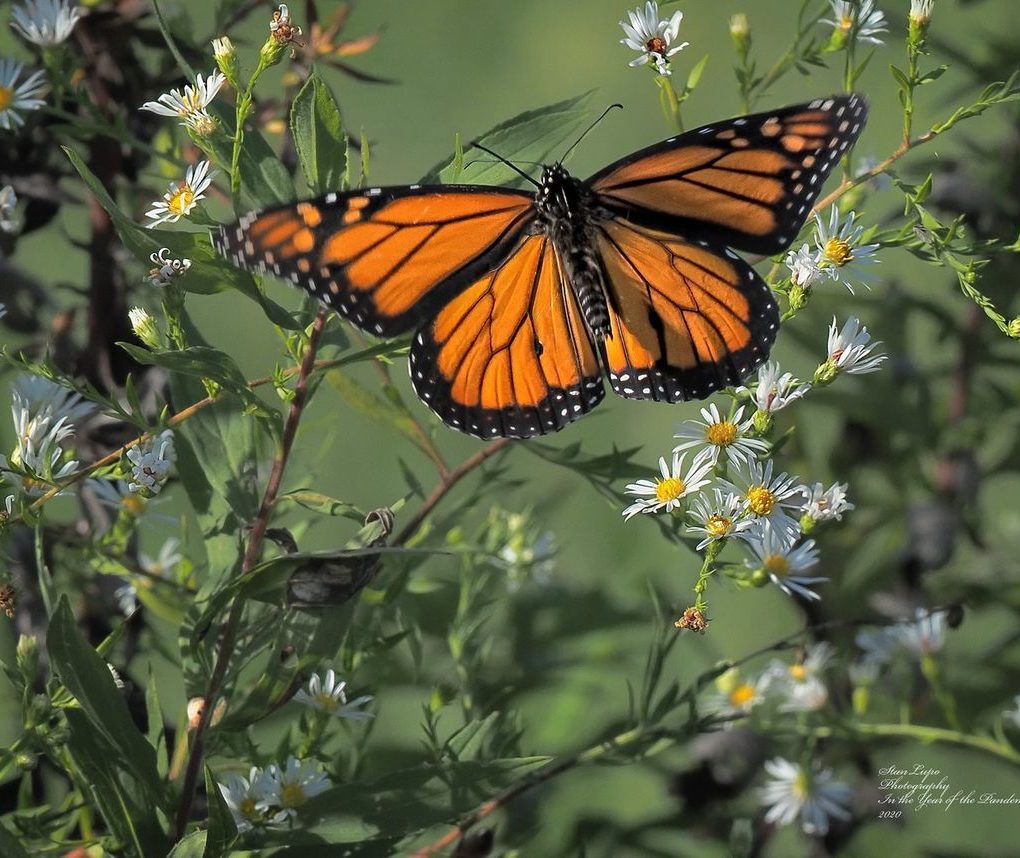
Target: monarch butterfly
(520, 301)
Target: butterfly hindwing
(386, 259)
(687, 317)
(747, 183)
(510, 355)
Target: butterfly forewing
(748, 182)
(510, 356)
(688, 318)
(386, 259)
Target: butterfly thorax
(568, 214)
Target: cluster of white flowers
(731, 488)
(151, 462)
(44, 415)
(272, 795)
(838, 254)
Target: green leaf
(10, 846)
(154, 722)
(319, 136)
(192, 846)
(324, 504)
(695, 75)
(205, 362)
(89, 680)
(532, 136)
(127, 806)
(222, 831)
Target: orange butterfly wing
(386, 259)
(687, 317)
(748, 182)
(510, 356)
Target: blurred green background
(465, 66)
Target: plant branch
(228, 631)
(446, 482)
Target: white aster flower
(715, 434)
(920, 10)
(285, 791)
(165, 268)
(328, 695)
(165, 562)
(774, 498)
(736, 694)
(804, 269)
(814, 796)
(858, 19)
(924, 636)
(44, 414)
(840, 255)
(190, 105)
(774, 389)
(223, 49)
(9, 221)
(851, 347)
(717, 517)
(15, 96)
(45, 22)
(775, 551)
(151, 462)
(652, 36)
(801, 684)
(181, 197)
(826, 504)
(673, 486)
(242, 796)
(143, 323)
(863, 672)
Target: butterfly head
(560, 196)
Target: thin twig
(446, 482)
(228, 631)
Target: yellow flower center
(246, 807)
(718, 525)
(181, 200)
(326, 701)
(777, 565)
(798, 672)
(760, 500)
(846, 22)
(721, 434)
(203, 124)
(133, 504)
(669, 489)
(838, 252)
(801, 785)
(6, 97)
(742, 695)
(292, 795)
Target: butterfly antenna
(584, 134)
(503, 160)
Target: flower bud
(144, 326)
(740, 33)
(1013, 328)
(825, 373)
(226, 60)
